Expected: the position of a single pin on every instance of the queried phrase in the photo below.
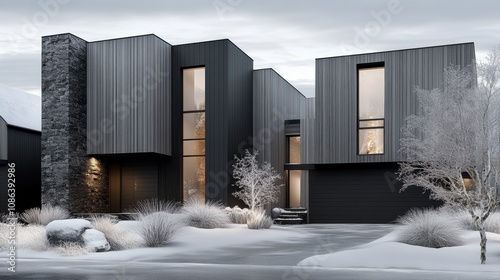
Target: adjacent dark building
(135, 118)
(20, 146)
(362, 102)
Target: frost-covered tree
(453, 144)
(257, 182)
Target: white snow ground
(386, 253)
(189, 240)
(239, 253)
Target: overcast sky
(286, 35)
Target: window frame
(184, 113)
(358, 120)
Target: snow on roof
(19, 108)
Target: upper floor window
(294, 149)
(371, 99)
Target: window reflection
(194, 134)
(371, 99)
(294, 145)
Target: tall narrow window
(371, 121)
(294, 175)
(194, 134)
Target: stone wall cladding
(65, 165)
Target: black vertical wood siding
(25, 152)
(228, 91)
(275, 100)
(3, 188)
(335, 127)
(128, 92)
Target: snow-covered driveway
(234, 253)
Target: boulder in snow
(275, 213)
(95, 241)
(70, 230)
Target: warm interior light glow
(194, 134)
(294, 146)
(468, 184)
(294, 188)
(371, 99)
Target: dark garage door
(360, 194)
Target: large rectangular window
(194, 134)
(371, 119)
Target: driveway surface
(272, 260)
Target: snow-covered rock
(78, 231)
(70, 230)
(275, 213)
(95, 241)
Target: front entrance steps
(292, 216)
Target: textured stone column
(69, 178)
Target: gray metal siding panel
(240, 110)
(129, 96)
(336, 97)
(308, 147)
(274, 101)
(292, 129)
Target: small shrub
(205, 215)
(237, 215)
(32, 237)
(4, 237)
(159, 228)
(150, 206)
(258, 219)
(429, 228)
(71, 249)
(119, 238)
(51, 213)
(44, 216)
(31, 216)
(492, 224)
(6, 219)
(464, 219)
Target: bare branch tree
(453, 144)
(257, 183)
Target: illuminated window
(371, 121)
(294, 149)
(294, 175)
(194, 134)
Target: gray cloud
(284, 34)
(21, 71)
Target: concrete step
(290, 216)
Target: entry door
(138, 182)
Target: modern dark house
(353, 142)
(20, 128)
(135, 118)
